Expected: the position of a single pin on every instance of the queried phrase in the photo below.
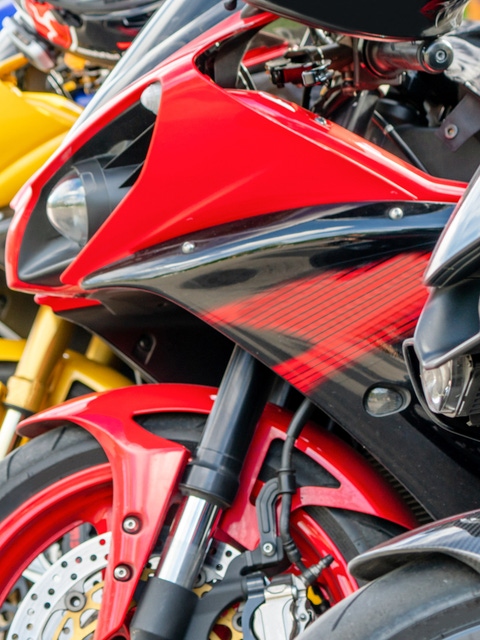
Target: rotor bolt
(75, 601)
(268, 549)
(131, 524)
(122, 573)
(395, 213)
(188, 247)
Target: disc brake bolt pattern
(122, 573)
(131, 524)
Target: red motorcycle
(261, 265)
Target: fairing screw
(188, 247)
(268, 549)
(451, 131)
(396, 213)
(122, 573)
(131, 524)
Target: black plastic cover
(457, 254)
(405, 20)
(449, 325)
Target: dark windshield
(173, 25)
(457, 254)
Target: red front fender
(146, 470)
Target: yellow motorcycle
(36, 368)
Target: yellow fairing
(32, 125)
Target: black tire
(67, 450)
(431, 599)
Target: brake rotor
(64, 603)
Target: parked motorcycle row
(232, 408)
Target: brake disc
(64, 603)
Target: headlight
(67, 209)
(84, 198)
(446, 387)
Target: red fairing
(59, 304)
(146, 470)
(226, 134)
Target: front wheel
(52, 573)
(436, 598)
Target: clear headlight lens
(67, 209)
(446, 387)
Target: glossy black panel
(458, 537)
(325, 297)
(449, 325)
(457, 254)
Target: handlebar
(386, 58)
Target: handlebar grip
(385, 58)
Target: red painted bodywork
(146, 470)
(235, 150)
(230, 132)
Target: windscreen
(457, 254)
(173, 25)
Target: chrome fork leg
(210, 485)
(187, 544)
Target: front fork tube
(210, 485)
(186, 547)
(27, 388)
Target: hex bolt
(122, 573)
(131, 524)
(268, 549)
(395, 213)
(451, 131)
